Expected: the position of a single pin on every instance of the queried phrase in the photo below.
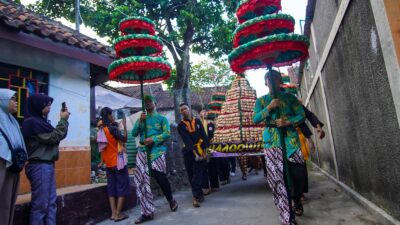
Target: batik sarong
(142, 180)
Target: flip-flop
(144, 218)
(123, 217)
(173, 205)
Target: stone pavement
(250, 203)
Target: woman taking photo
(42, 142)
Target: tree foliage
(206, 73)
(185, 26)
(205, 24)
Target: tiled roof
(17, 17)
(165, 99)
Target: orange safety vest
(110, 152)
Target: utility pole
(77, 14)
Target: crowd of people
(286, 140)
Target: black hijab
(34, 122)
(112, 127)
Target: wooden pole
(77, 14)
(281, 130)
(148, 150)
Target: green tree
(206, 73)
(199, 26)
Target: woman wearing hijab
(42, 141)
(10, 131)
(117, 179)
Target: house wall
(69, 82)
(354, 93)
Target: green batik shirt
(291, 110)
(158, 129)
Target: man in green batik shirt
(282, 112)
(158, 131)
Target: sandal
(121, 217)
(298, 209)
(196, 203)
(144, 218)
(173, 205)
(206, 191)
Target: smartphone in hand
(63, 107)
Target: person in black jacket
(210, 179)
(195, 142)
(316, 123)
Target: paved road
(250, 203)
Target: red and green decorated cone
(262, 26)
(291, 88)
(139, 63)
(213, 114)
(215, 105)
(138, 45)
(137, 25)
(218, 96)
(133, 69)
(250, 9)
(275, 50)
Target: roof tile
(22, 18)
(16, 16)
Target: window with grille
(24, 82)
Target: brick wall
(72, 168)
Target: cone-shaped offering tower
(263, 38)
(139, 52)
(235, 132)
(291, 88)
(215, 105)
